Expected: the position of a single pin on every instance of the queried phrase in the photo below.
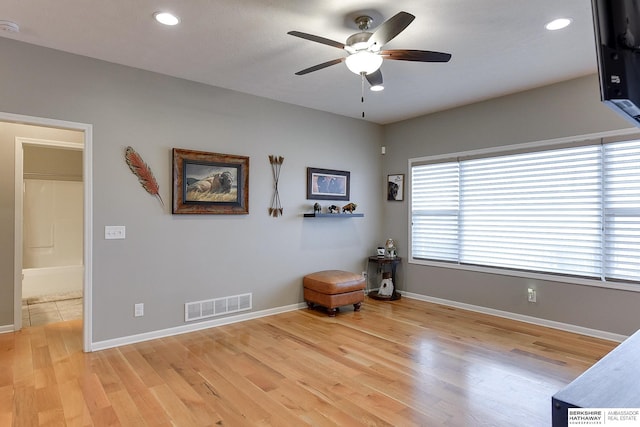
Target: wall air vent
(197, 310)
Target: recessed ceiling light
(166, 18)
(558, 24)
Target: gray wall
(561, 110)
(167, 260)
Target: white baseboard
(132, 339)
(520, 317)
(163, 333)
(5, 329)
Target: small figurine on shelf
(334, 209)
(316, 208)
(390, 249)
(350, 207)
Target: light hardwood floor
(399, 363)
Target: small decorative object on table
(387, 290)
(334, 209)
(316, 208)
(380, 251)
(386, 286)
(390, 249)
(350, 207)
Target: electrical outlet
(138, 310)
(531, 295)
(364, 274)
(114, 232)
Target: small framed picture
(327, 184)
(395, 187)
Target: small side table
(384, 263)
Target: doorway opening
(38, 228)
(52, 226)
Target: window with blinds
(571, 211)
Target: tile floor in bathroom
(50, 309)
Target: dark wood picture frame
(328, 184)
(210, 183)
(395, 187)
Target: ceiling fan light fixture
(358, 42)
(363, 62)
(376, 88)
(356, 47)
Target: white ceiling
(498, 47)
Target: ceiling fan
(365, 48)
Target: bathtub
(51, 280)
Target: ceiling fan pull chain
(362, 94)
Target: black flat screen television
(617, 31)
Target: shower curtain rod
(28, 175)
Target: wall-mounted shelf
(334, 215)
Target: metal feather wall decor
(276, 163)
(143, 172)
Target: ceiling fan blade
(391, 28)
(317, 39)
(320, 66)
(415, 55)
(375, 78)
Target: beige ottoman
(334, 288)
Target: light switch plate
(114, 232)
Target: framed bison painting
(210, 183)
(327, 184)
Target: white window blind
(538, 211)
(622, 210)
(435, 211)
(570, 211)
